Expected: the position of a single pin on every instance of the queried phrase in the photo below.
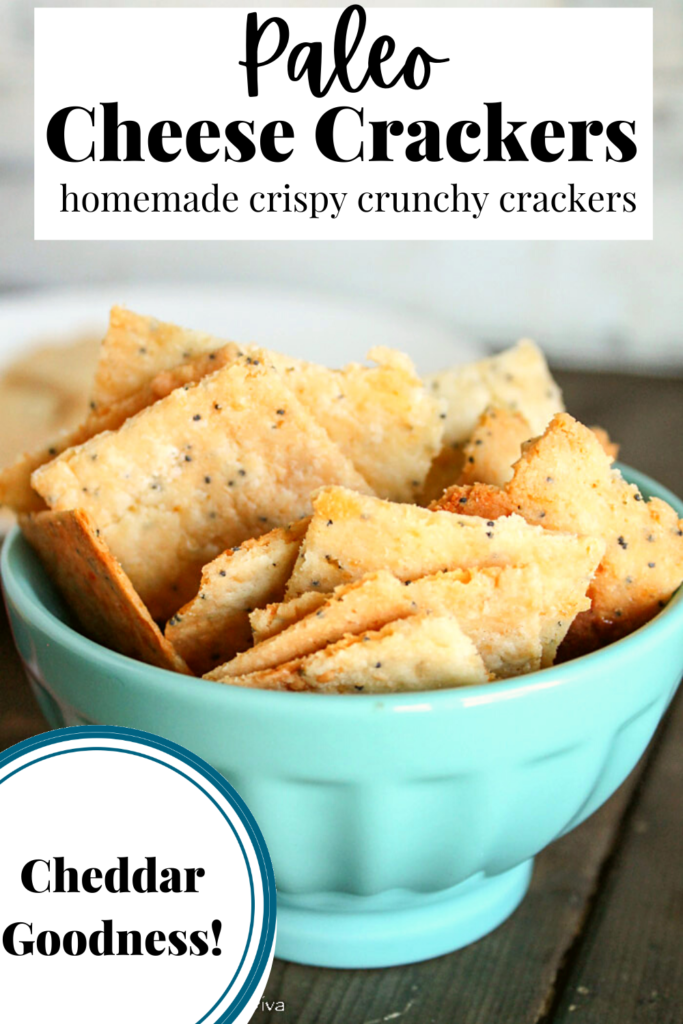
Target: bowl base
(395, 928)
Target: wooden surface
(599, 938)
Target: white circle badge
(135, 884)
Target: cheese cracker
(352, 534)
(382, 417)
(425, 652)
(495, 445)
(517, 379)
(214, 626)
(16, 491)
(367, 604)
(516, 615)
(202, 470)
(564, 480)
(266, 622)
(136, 348)
(96, 588)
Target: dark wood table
(599, 938)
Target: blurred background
(592, 304)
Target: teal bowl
(400, 827)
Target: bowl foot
(397, 927)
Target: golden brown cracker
(382, 417)
(214, 626)
(494, 447)
(517, 379)
(425, 652)
(199, 471)
(365, 410)
(516, 615)
(565, 480)
(266, 622)
(484, 500)
(351, 534)
(367, 604)
(16, 491)
(137, 348)
(96, 588)
(566, 477)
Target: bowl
(400, 827)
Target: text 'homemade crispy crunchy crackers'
(202, 470)
(96, 589)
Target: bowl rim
(40, 617)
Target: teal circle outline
(247, 820)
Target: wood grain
(20, 716)
(629, 967)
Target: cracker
(567, 476)
(565, 480)
(382, 417)
(484, 500)
(495, 445)
(444, 471)
(136, 348)
(197, 472)
(365, 410)
(43, 392)
(424, 652)
(16, 491)
(62, 364)
(214, 626)
(517, 379)
(352, 534)
(266, 622)
(364, 605)
(517, 616)
(96, 588)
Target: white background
(91, 808)
(183, 65)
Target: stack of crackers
(266, 522)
